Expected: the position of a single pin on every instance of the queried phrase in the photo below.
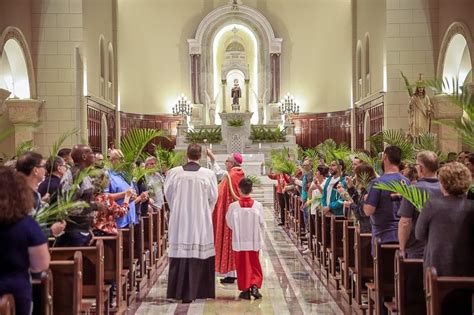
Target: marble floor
(290, 286)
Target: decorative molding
(12, 32)
(454, 29)
(245, 13)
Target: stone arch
(367, 63)
(367, 130)
(358, 70)
(200, 49)
(102, 65)
(15, 34)
(104, 134)
(111, 73)
(455, 29)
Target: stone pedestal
(236, 137)
(24, 115)
(273, 113)
(449, 141)
(3, 96)
(290, 133)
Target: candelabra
(288, 107)
(183, 108)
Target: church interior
(293, 87)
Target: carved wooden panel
(95, 111)
(313, 129)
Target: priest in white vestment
(191, 192)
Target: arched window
(457, 63)
(111, 74)
(367, 65)
(102, 66)
(359, 71)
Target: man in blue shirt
(382, 206)
(331, 200)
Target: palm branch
(397, 138)
(464, 125)
(281, 163)
(132, 146)
(60, 141)
(254, 179)
(363, 180)
(408, 86)
(25, 146)
(414, 195)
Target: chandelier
(183, 108)
(288, 107)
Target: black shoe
(187, 301)
(228, 280)
(254, 292)
(245, 295)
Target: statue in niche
(236, 93)
(261, 105)
(212, 108)
(420, 112)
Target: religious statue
(420, 112)
(236, 93)
(261, 105)
(212, 108)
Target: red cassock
(249, 270)
(222, 234)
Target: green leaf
(414, 195)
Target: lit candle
(210, 146)
(260, 145)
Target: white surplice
(246, 225)
(191, 196)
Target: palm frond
(254, 179)
(408, 86)
(60, 141)
(414, 195)
(25, 146)
(281, 163)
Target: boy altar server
(245, 219)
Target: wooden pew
(409, 293)
(347, 260)
(384, 285)
(129, 263)
(164, 228)
(325, 243)
(318, 237)
(157, 253)
(7, 304)
(336, 246)
(139, 252)
(363, 267)
(93, 272)
(113, 266)
(438, 288)
(68, 286)
(42, 285)
(149, 246)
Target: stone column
(247, 89)
(24, 115)
(448, 139)
(224, 85)
(275, 80)
(195, 77)
(3, 96)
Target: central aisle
(289, 286)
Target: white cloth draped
(246, 225)
(191, 197)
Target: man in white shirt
(191, 192)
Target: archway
(456, 58)
(267, 53)
(16, 65)
(367, 131)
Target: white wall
(154, 61)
